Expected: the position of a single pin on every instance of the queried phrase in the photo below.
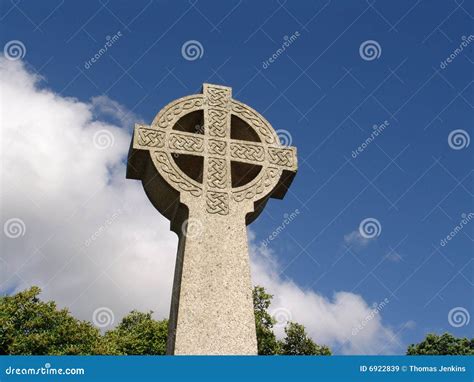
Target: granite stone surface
(209, 164)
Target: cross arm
(148, 138)
(254, 152)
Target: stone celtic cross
(209, 164)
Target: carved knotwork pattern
(151, 137)
(217, 147)
(247, 151)
(217, 173)
(217, 203)
(174, 176)
(281, 157)
(266, 181)
(175, 111)
(186, 143)
(217, 123)
(218, 97)
(254, 120)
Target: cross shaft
(211, 310)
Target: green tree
(32, 327)
(297, 342)
(445, 344)
(139, 334)
(266, 340)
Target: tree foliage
(31, 326)
(297, 342)
(445, 344)
(266, 339)
(139, 334)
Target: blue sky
(328, 98)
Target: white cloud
(394, 256)
(410, 324)
(92, 238)
(330, 321)
(356, 239)
(103, 106)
